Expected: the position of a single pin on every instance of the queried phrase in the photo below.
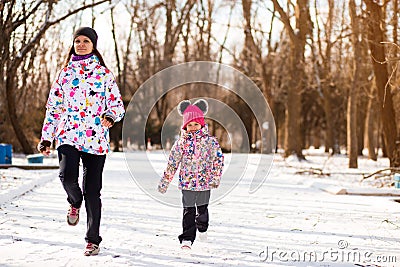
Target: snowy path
(282, 222)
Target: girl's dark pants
(69, 158)
(192, 221)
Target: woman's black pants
(69, 158)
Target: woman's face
(83, 45)
(193, 126)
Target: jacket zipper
(196, 160)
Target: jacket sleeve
(175, 157)
(114, 105)
(217, 166)
(54, 111)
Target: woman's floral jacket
(201, 160)
(83, 93)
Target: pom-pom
(182, 106)
(202, 105)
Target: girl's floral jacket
(201, 162)
(83, 93)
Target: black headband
(89, 33)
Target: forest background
(328, 69)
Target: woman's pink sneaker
(91, 249)
(73, 216)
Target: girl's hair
(95, 52)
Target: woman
(84, 102)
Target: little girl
(201, 162)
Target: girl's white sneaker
(202, 236)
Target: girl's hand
(162, 190)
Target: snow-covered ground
(286, 222)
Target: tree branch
(18, 22)
(285, 19)
(365, 176)
(184, 16)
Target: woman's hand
(106, 123)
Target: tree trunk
(118, 62)
(254, 52)
(370, 126)
(12, 112)
(292, 141)
(352, 142)
(376, 36)
(327, 86)
(329, 116)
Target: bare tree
(376, 25)
(353, 94)
(325, 42)
(127, 68)
(172, 34)
(292, 143)
(254, 64)
(154, 54)
(252, 52)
